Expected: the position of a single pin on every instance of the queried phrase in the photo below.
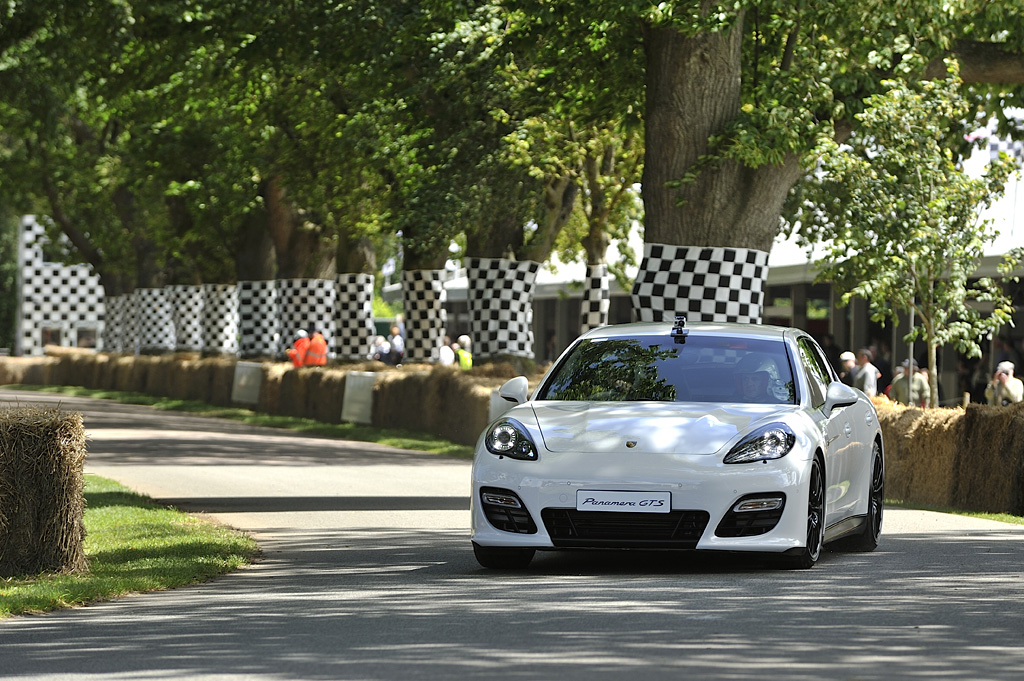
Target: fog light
(496, 499)
(758, 504)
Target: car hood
(656, 427)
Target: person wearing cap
(1004, 388)
(297, 353)
(910, 387)
(847, 363)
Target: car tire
(807, 556)
(503, 557)
(867, 540)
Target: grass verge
(133, 545)
(343, 431)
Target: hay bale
(270, 388)
(293, 393)
(326, 392)
(921, 451)
(160, 376)
(42, 504)
(14, 369)
(991, 470)
(445, 401)
(222, 381)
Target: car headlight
(771, 442)
(509, 438)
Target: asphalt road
(368, 574)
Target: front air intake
(506, 511)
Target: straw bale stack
(921, 450)
(990, 474)
(444, 401)
(42, 505)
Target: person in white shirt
(1004, 388)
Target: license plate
(630, 502)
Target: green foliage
(899, 219)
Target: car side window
(817, 374)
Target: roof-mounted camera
(679, 330)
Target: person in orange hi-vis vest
(297, 353)
(316, 355)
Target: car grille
(605, 529)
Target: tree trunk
(693, 92)
(355, 254)
(301, 250)
(255, 259)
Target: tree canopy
(225, 139)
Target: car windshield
(703, 369)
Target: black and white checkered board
(501, 306)
(705, 284)
(306, 304)
(258, 326)
(1014, 148)
(156, 323)
(66, 299)
(220, 319)
(187, 317)
(353, 316)
(596, 298)
(423, 298)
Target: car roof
(732, 329)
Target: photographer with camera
(1004, 388)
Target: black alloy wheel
(867, 540)
(807, 556)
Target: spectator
(910, 387)
(316, 355)
(397, 341)
(447, 355)
(462, 352)
(866, 374)
(847, 362)
(382, 350)
(297, 353)
(1004, 388)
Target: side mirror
(839, 395)
(515, 390)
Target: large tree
(737, 94)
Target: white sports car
(726, 437)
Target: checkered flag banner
(306, 304)
(67, 298)
(155, 320)
(704, 284)
(220, 319)
(353, 316)
(423, 298)
(187, 316)
(501, 306)
(118, 332)
(596, 298)
(1013, 148)
(259, 333)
